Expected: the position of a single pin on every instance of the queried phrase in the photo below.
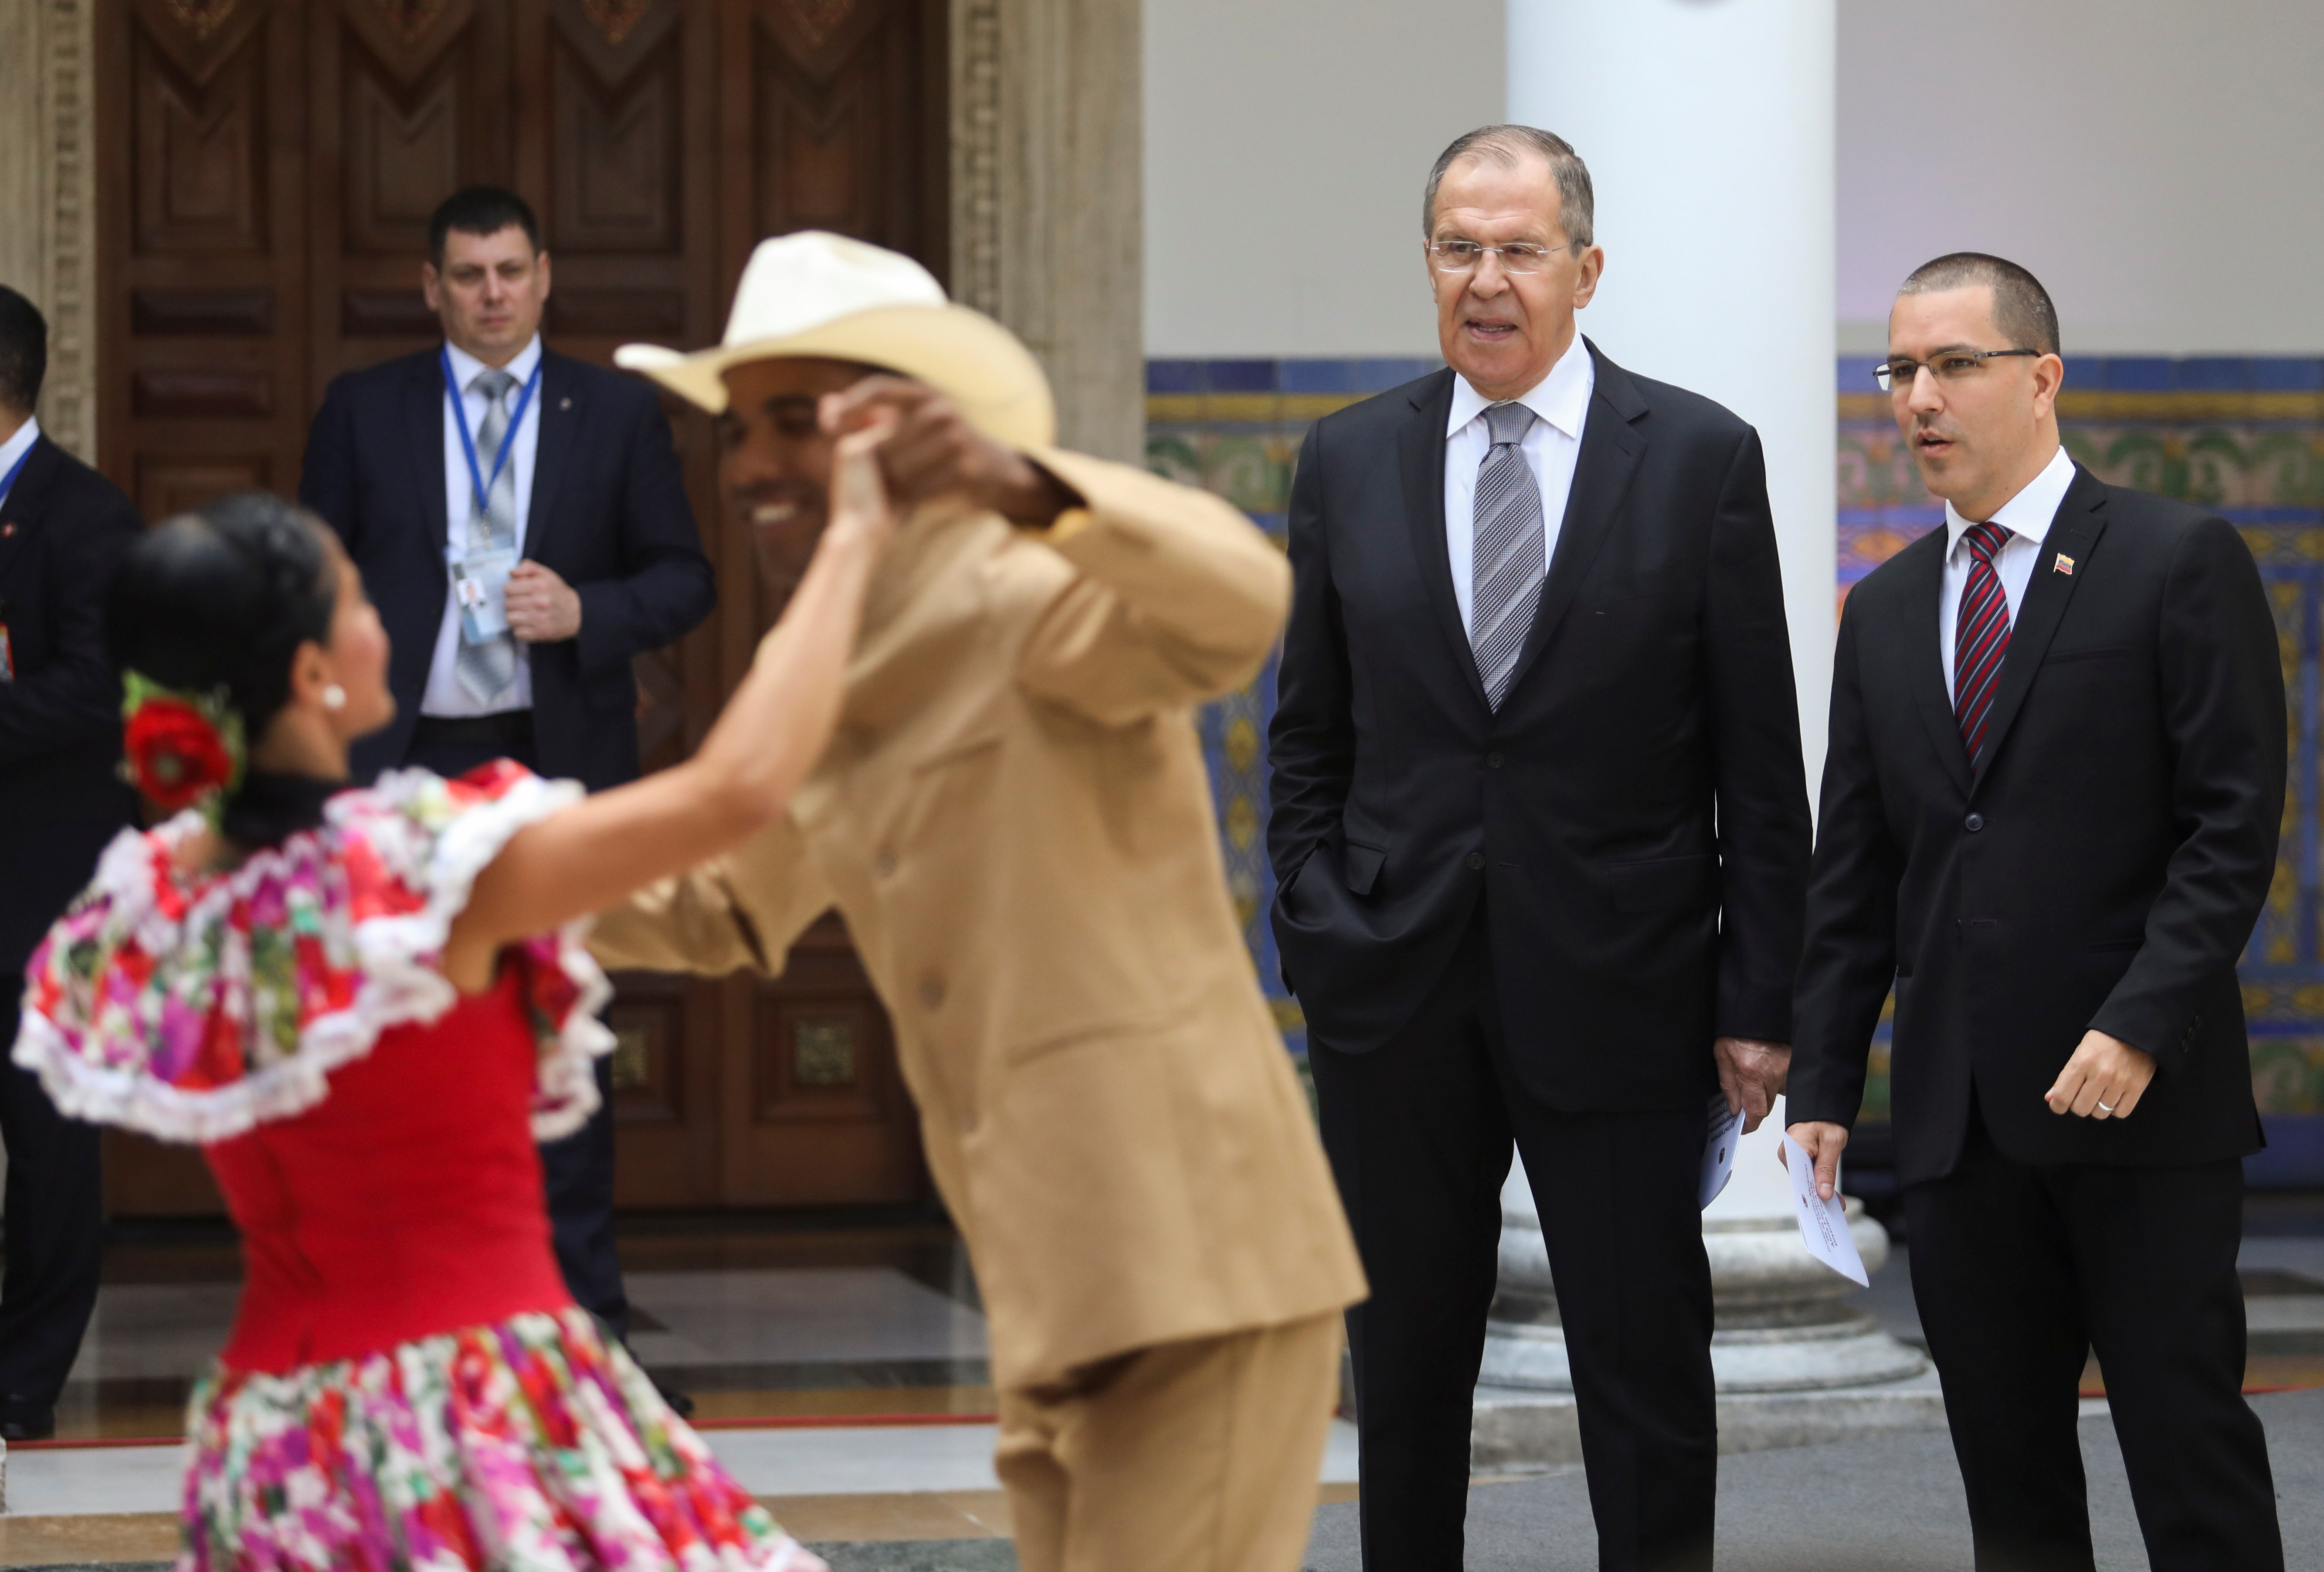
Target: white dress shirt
(18, 443)
(444, 695)
(1562, 401)
(2027, 517)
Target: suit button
(1973, 823)
(1476, 860)
(1493, 761)
(932, 990)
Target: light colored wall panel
(1286, 142)
(2154, 162)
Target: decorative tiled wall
(2243, 435)
(1234, 427)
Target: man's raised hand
(936, 452)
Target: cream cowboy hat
(813, 293)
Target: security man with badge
(523, 526)
(63, 527)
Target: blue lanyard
(468, 443)
(8, 481)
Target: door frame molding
(47, 198)
(1047, 200)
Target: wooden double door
(267, 171)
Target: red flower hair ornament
(181, 749)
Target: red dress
(408, 1384)
(392, 1210)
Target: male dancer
(1016, 822)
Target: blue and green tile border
(2241, 435)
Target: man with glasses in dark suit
(2051, 805)
(1540, 834)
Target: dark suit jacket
(609, 515)
(2102, 869)
(1636, 814)
(62, 531)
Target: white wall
(2156, 163)
(1286, 142)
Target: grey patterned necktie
(485, 669)
(1508, 559)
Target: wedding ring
(2106, 1107)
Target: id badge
(480, 583)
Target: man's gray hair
(1506, 145)
(2021, 311)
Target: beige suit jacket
(1016, 821)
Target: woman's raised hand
(859, 508)
(774, 728)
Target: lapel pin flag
(2064, 565)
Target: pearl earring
(334, 697)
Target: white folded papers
(1823, 1225)
(1719, 1149)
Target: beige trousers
(1196, 1456)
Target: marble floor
(755, 1321)
(837, 1366)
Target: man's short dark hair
(480, 210)
(23, 352)
(1505, 145)
(2022, 311)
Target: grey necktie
(1507, 564)
(485, 669)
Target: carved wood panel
(199, 257)
(814, 1111)
(268, 168)
(844, 106)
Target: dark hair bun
(222, 597)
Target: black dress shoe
(22, 1419)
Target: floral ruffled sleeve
(192, 1007)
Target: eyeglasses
(1464, 256)
(1952, 366)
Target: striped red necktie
(1980, 637)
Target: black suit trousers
(577, 1169)
(1418, 1131)
(56, 1236)
(2020, 1272)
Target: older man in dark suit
(522, 524)
(1541, 833)
(2049, 816)
(62, 528)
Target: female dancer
(367, 1005)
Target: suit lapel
(1609, 456)
(2074, 531)
(423, 413)
(1420, 456)
(1922, 564)
(17, 514)
(559, 403)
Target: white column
(1708, 128)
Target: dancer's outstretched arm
(770, 736)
